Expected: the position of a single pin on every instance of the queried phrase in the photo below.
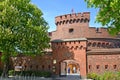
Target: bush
(118, 74)
(34, 73)
(93, 76)
(11, 72)
(109, 76)
(105, 76)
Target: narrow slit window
(71, 30)
(89, 66)
(114, 66)
(106, 66)
(98, 66)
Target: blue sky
(53, 8)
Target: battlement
(72, 18)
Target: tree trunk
(5, 68)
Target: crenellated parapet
(100, 43)
(72, 18)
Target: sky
(53, 8)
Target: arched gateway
(70, 67)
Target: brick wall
(37, 63)
(103, 62)
(72, 50)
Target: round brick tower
(71, 26)
(76, 25)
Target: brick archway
(69, 67)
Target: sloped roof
(104, 51)
(65, 40)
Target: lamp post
(54, 67)
(54, 61)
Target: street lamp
(54, 61)
(54, 67)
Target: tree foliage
(22, 29)
(109, 11)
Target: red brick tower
(71, 26)
(69, 44)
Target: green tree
(109, 13)
(22, 30)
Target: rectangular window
(114, 66)
(71, 30)
(106, 66)
(98, 66)
(89, 66)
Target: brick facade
(107, 61)
(98, 45)
(77, 49)
(71, 50)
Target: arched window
(72, 47)
(89, 66)
(94, 44)
(60, 22)
(103, 45)
(63, 22)
(76, 47)
(65, 43)
(89, 44)
(82, 20)
(99, 44)
(67, 21)
(97, 66)
(77, 20)
(81, 47)
(57, 23)
(70, 21)
(65, 16)
(114, 66)
(74, 20)
(107, 45)
(106, 66)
